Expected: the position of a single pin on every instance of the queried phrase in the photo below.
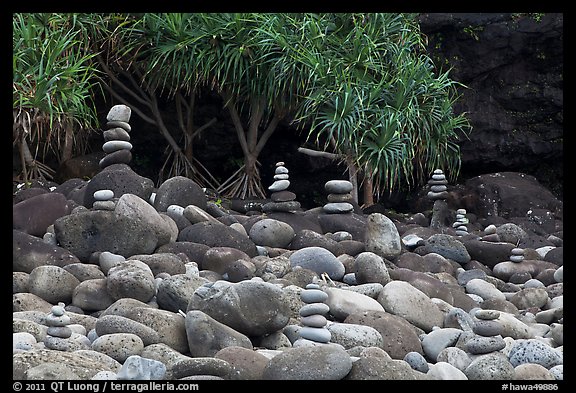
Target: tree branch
(202, 128)
(318, 153)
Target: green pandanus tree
(378, 101)
(54, 80)
(243, 58)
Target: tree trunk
(368, 190)
(246, 183)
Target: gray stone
(119, 346)
(338, 186)
(206, 336)
(132, 279)
(403, 299)
(318, 260)
(271, 233)
(92, 231)
(321, 335)
(492, 366)
(416, 361)
(119, 112)
(52, 283)
(314, 309)
(371, 268)
(109, 324)
(323, 362)
(382, 237)
(279, 185)
(116, 134)
(480, 345)
(251, 307)
(112, 146)
(338, 207)
(534, 351)
(138, 368)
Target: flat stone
(279, 185)
(281, 177)
(338, 207)
(116, 134)
(335, 198)
(112, 146)
(283, 196)
(338, 186)
(121, 124)
(103, 195)
(320, 335)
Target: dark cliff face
(512, 65)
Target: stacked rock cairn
(517, 255)
(282, 199)
(490, 234)
(339, 197)
(460, 224)
(438, 194)
(312, 315)
(117, 147)
(58, 332)
(117, 144)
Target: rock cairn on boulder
(282, 199)
(460, 224)
(438, 195)
(490, 234)
(103, 200)
(117, 144)
(339, 197)
(517, 255)
(58, 332)
(488, 332)
(312, 315)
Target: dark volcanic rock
(217, 235)
(512, 64)
(29, 252)
(100, 230)
(34, 215)
(121, 179)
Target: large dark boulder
(509, 194)
(102, 230)
(29, 252)
(34, 215)
(181, 191)
(121, 179)
(217, 235)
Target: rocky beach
(115, 279)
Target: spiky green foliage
(377, 96)
(53, 79)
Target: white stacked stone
(339, 197)
(282, 199)
(117, 144)
(460, 224)
(103, 200)
(312, 315)
(437, 186)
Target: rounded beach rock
(317, 362)
(403, 299)
(319, 260)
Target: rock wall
(512, 65)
